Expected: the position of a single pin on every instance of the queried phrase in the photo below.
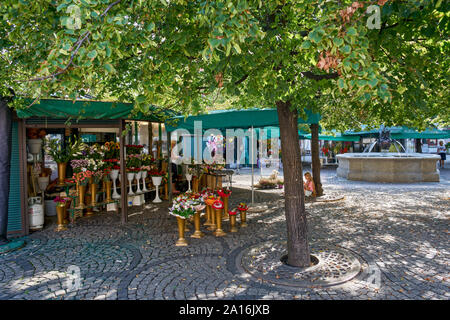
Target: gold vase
(94, 194)
(213, 182)
(181, 242)
(61, 173)
(197, 233)
(166, 191)
(233, 223)
(60, 215)
(195, 185)
(218, 232)
(108, 184)
(81, 190)
(208, 216)
(243, 219)
(225, 215)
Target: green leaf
(345, 49)
(338, 42)
(92, 54)
(306, 44)
(109, 68)
(341, 84)
(352, 31)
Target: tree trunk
(5, 165)
(315, 160)
(297, 231)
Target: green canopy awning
(431, 133)
(97, 110)
(406, 133)
(234, 119)
(335, 138)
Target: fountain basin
(388, 167)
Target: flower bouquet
(182, 209)
(133, 149)
(111, 150)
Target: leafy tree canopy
(187, 55)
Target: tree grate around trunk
(335, 265)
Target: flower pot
(243, 219)
(138, 182)
(181, 242)
(108, 184)
(34, 145)
(189, 178)
(62, 166)
(81, 189)
(233, 223)
(157, 182)
(144, 176)
(60, 212)
(43, 183)
(195, 185)
(197, 233)
(225, 208)
(218, 232)
(130, 177)
(93, 188)
(114, 175)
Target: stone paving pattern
(400, 232)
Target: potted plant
(62, 156)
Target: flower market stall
(77, 157)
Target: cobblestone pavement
(399, 232)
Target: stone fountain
(388, 166)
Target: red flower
(218, 205)
(232, 213)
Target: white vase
(43, 183)
(130, 176)
(189, 178)
(144, 175)
(138, 178)
(157, 182)
(34, 146)
(114, 175)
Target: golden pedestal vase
(218, 208)
(210, 216)
(198, 233)
(60, 213)
(243, 211)
(62, 166)
(233, 227)
(181, 242)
